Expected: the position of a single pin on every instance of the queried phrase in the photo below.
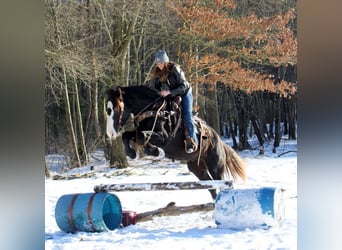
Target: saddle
(169, 111)
(202, 128)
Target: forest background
(240, 58)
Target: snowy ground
(188, 231)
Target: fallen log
(72, 176)
(172, 210)
(217, 184)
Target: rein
(135, 118)
(154, 123)
(142, 115)
(149, 105)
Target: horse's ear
(119, 92)
(114, 93)
(110, 93)
(118, 89)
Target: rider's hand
(165, 92)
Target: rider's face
(160, 65)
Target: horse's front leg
(143, 138)
(156, 139)
(139, 138)
(126, 138)
(150, 149)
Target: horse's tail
(236, 165)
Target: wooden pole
(217, 184)
(172, 210)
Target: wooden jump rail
(170, 209)
(227, 214)
(214, 184)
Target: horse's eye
(109, 111)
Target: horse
(157, 123)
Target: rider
(168, 78)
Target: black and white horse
(157, 125)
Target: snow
(249, 208)
(196, 230)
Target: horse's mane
(141, 90)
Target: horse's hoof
(190, 150)
(132, 155)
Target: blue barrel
(89, 212)
(249, 208)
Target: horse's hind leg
(215, 159)
(201, 173)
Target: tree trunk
(257, 116)
(271, 114)
(243, 119)
(94, 83)
(137, 74)
(212, 109)
(233, 116)
(277, 137)
(123, 35)
(117, 154)
(243, 126)
(223, 109)
(47, 172)
(284, 115)
(76, 157)
(233, 133)
(194, 85)
(292, 118)
(83, 152)
(257, 130)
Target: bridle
(121, 106)
(141, 115)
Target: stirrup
(190, 145)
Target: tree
(244, 52)
(120, 25)
(87, 44)
(60, 71)
(235, 47)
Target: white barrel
(249, 208)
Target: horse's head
(115, 112)
(125, 102)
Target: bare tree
(94, 45)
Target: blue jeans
(187, 101)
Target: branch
(105, 24)
(291, 151)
